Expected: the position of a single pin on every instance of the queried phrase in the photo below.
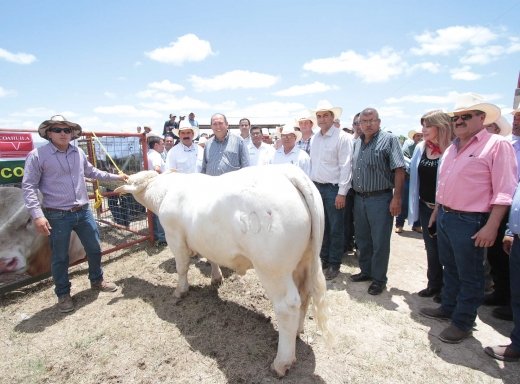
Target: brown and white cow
(22, 249)
(267, 218)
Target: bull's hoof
(280, 370)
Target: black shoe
(437, 298)
(494, 299)
(360, 277)
(324, 266)
(503, 313)
(332, 273)
(428, 292)
(435, 313)
(376, 288)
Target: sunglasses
(464, 117)
(60, 130)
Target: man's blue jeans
(514, 273)
(158, 230)
(401, 218)
(434, 271)
(463, 263)
(333, 237)
(62, 224)
(373, 226)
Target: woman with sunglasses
(437, 134)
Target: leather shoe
(360, 277)
(503, 352)
(398, 230)
(332, 273)
(428, 292)
(454, 335)
(376, 288)
(417, 229)
(437, 298)
(435, 313)
(503, 313)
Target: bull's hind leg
(286, 302)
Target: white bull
(22, 249)
(267, 218)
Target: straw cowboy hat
(58, 120)
(289, 128)
(326, 106)
(185, 125)
(504, 126)
(412, 133)
(311, 117)
(475, 102)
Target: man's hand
(340, 201)
(42, 226)
(123, 176)
(485, 237)
(395, 206)
(507, 243)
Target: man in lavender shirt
(57, 171)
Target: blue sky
(114, 65)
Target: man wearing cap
(57, 171)
(476, 181)
(170, 125)
(185, 157)
(289, 153)
(260, 153)
(306, 124)
(331, 150)
(223, 152)
(377, 180)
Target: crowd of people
(454, 181)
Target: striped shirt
(374, 162)
(60, 177)
(305, 145)
(224, 156)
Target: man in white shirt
(260, 153)
(289, 152)
(156, 163)
(245, 126)
(331, 171)
(185, 157)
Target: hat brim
(491, 110)
(42, 129)
(335, 110)
(505, 127)
(195, 130)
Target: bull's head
(137, 182)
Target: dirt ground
(228, 335)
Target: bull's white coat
(267, 218)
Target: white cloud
(447, 40)
(109, 95)
(233, 80)
(426, 66)
(166, 86)
(446, 99)
(268, 112)
(374, 67)
(464, 73)
(18, 58)
(514, 45)
(187, 48)
(126, 110)
(6, 92)
(307, 89)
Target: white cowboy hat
(185, 125)
(289, 128)
(311, 117)
(324, 105)
(55, 120)
(515, 111)
(504, 126)
(475, 102)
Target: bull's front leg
(182, 263)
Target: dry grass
(229, 335)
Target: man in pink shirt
(476, 182)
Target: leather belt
(326, 184)
(449, 210)
(429, 205)
(373, 193)
(73, 209)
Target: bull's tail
(316, 280)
